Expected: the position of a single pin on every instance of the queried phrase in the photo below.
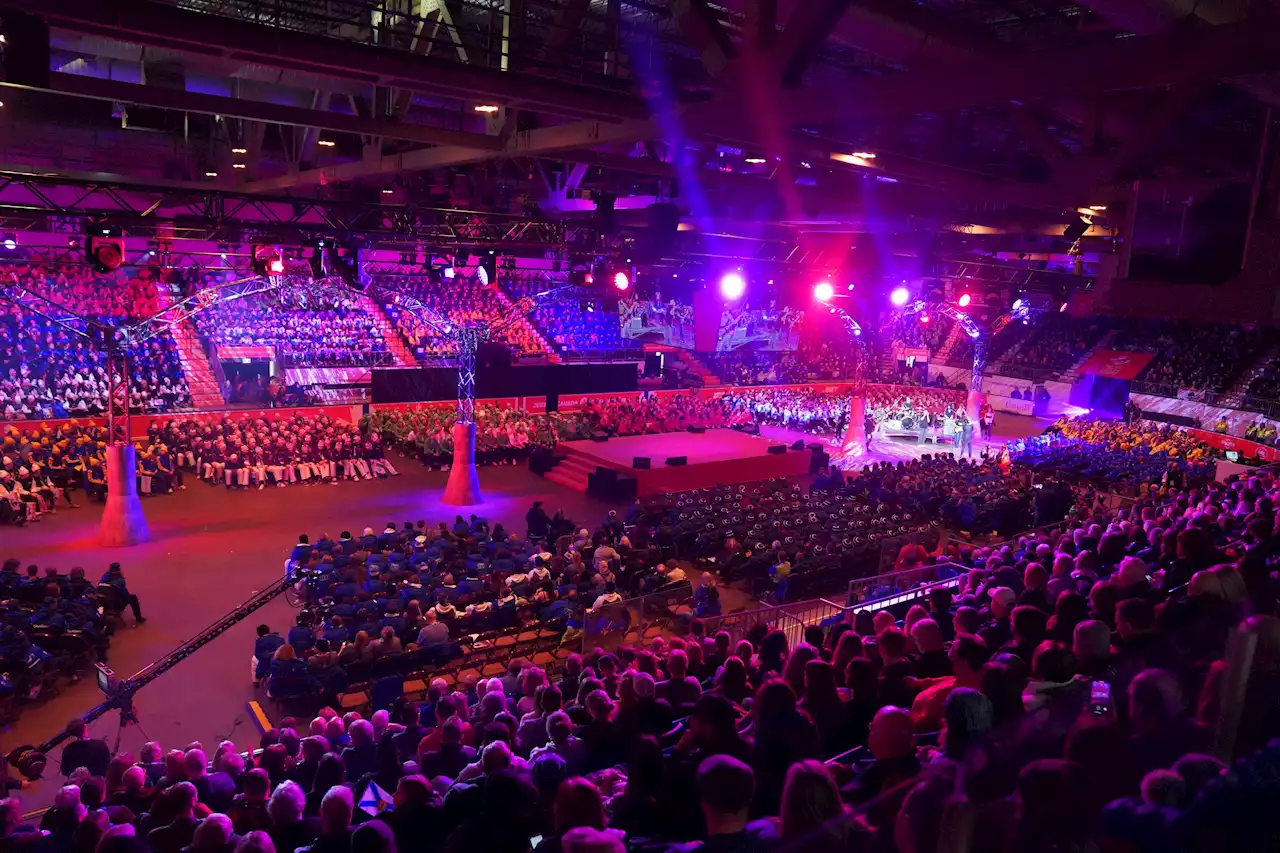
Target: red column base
(854, 445)
(973, 405)
(123, 522)
(463, 488)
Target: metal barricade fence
(635, 619)
(864, 589)
(739, 624)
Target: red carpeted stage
(715, 456)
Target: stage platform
(715, 456)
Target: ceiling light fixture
(487, 108)
(327, 143)
(755, 161)
(239, 150)
(237, 165)
(211, 174)
(864, 155)
(1097, 207)
(387, 190)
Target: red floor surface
(716, 456)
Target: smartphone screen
(1100, 697)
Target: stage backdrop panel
(425, 384)
(414, 384)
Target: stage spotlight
(267, 261)
(105, 253)
(448, 272)
(621, 280)
(732, 285)
(924, 318)
(965, 299)
(10, 242)
(900, 296)
(823, 291)
(1017, 303)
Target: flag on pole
(375, 801)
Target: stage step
(568, 479)
(196, 369)
(390, 334)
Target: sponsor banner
(247, 352)
(1011, 406)
(1116, 364)
(1247, 449)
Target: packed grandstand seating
(1058, 341)
(304, 328)
(1071, 685)
(1117, 455)
(811, 361)
(1199, 356)
(48, 371)
(572, 328)
(460, 300)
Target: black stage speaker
(553, 403)
(640, 462)
(798, 444)
(777, 448)
(660, 237)
(599, 436)
(697, 430)
(677, 460)
(816, 447)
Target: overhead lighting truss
(50, 203)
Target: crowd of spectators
(410, 592)
(1065, 694)
(505, 436)
(240, 453)
(811, 361)
(42, 464)
(48, 371)
(1059, 340)
(304, 328)
(785, 544)
(1195, 355)
(587, 327)
(52, 625)
(461, 301)
(1126, 456)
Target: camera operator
(83, 751)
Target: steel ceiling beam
(163, 25)
(41, 201)
(196, 102)
(528, 143)
(803, 36)
(1144, 62)
(701, 26)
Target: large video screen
(672, 322)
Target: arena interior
(621, 426)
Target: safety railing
(740, 624)
(634, 619)
(862, 590)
